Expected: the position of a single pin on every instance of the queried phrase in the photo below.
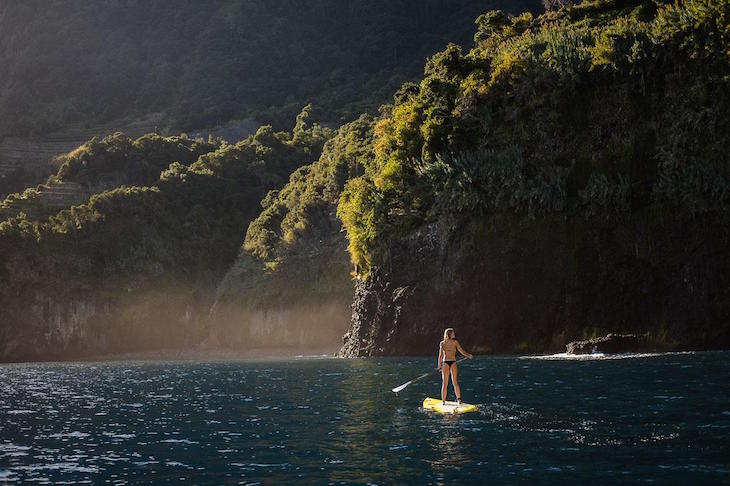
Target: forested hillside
(122, 248)
(203, 63)
(136, 266)
(567, 176)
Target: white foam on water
(112, 458)
(20, 412)
(179, 441)
(599, 356)
(75, 435)
(120, 436)
(9, 447)
(256, 464)
(71, 467)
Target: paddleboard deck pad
(451, 407)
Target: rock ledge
(610, 344)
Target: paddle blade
(401, 387)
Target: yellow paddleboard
(451, 407)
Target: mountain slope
(202, 65)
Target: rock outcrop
(611, 344)
(53, 324)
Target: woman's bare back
(449, 346)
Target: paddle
(404, 385)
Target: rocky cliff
(533, 286)
(56, 322)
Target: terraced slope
(45, 200)
(27, 162)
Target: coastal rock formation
(610, 344)
(535, 286)
(58, 325)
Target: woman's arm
(441, 355)
(461, 350)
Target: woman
(447, 363)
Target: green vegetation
(104, 164)
(601, 110)
(311, 193)
(194, 207)
(598, 108)
(117, 160)
(204, 64)
(177, 234)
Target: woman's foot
(458, 399)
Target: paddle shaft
(404, 385)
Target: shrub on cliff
(487, 182)
(311, 192)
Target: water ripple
(335, 421)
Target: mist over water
(655, 417)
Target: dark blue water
(663, 418)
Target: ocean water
(639, 419)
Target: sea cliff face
(53, 328)
(533, 286)
(54, 324)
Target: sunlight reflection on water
(663, 417)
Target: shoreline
(216, 354)
(193, 354)
(276, 354)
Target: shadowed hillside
(203, 64)
(73, 69)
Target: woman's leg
(444, 381)
(455, 381)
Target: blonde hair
(449, 333)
